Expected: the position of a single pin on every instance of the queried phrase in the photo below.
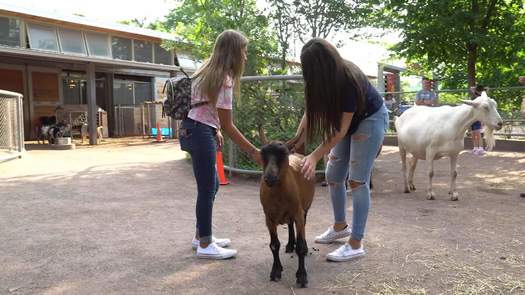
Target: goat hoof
(275, 275)
(412, 188)
(406, 191)
(290, 248)
(453, 196)
(302, 280)
(430, 196)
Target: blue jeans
(199, 141)
(360, 150)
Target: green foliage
(276, 106)
(305, 19)
(199, 22)
(461, 42)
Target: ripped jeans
(360, 150)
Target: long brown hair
(226, 59)
(327, 78)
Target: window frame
(131, 47)
(83, 41)
(152, 51)
(155, 56)
(55, 29)
(108, 42)
(21, 28)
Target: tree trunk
(472, 57)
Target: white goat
(429, 133)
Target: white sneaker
(481, 151)
(220, 242)
(345, 253)
(213, 251)
(330, 235)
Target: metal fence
(277, 104)
(11, 125)
(509, 99)
(274, 102)
(141, 120)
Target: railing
(11, 125)
(277, 104)
(509, 99)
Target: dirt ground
(119, 218)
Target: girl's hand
(256, 156)
(309, 164)
(219, 138)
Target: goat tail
(396, 122)
(489, 138)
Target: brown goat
(286, 197)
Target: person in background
(426, 96)
(476, 126)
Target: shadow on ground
(119, 220)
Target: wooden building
(56, 60)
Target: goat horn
(292, 143)
(262, 135)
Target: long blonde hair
(226, 59)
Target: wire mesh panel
(11, 125)
(152, 114)
(274, 102)
(141, 120)
(128, 120)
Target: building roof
(58, 56)
(13, 9)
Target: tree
(304, 19)
(199, 22)
(461, 41)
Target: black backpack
(178, 97)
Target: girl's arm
(225, 118)
(300, 135)
(310, 161)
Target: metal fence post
(20, 111)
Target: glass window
(122, 92)
(142, 92)
(121, 48)
(71, 41)
(185, 61)
(162, 56)
(143, 51)
(42, 37)
(9, 31)
(98, 44)
(74, 88)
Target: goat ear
(471, 103)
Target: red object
(159, 132)
(220, 169)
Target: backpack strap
(198, 104)
(182, 70)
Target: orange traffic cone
(220, 169)
(159, 133)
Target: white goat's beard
(489, 138)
